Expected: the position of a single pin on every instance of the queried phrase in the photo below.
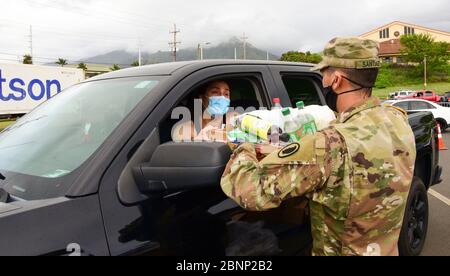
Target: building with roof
(389, 38)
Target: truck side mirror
(176, 167)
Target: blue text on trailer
(36, 89)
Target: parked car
(93, 171)
(440, 113)
(427, 95)
(446, 96)
(402, 94)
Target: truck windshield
(58, 136)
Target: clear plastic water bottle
(291, 126)
(276, 104)
(323, 115)
(306, 120)
(260, 128)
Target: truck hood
(16, 207)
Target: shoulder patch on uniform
(289, 150)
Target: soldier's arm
(294, 171)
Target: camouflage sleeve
(295, 170)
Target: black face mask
(331, 96)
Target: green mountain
(224, 50)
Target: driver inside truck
(214, 100)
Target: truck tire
(415, 224)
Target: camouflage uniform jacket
(357, 174)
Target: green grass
(440, 88)
(392, 78)
(5, 123)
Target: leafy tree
(115, 67)
(82, 65)
(135, 64)
(27, 59)
(61, 62)
(307, 57)
(417, 47)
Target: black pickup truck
(93, 171)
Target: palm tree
(61, 62)
(135, 64)
(115, 67)
(83, 66)
(27, 59)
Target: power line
(8, 54)
(72, 33)
(50, 32)
(81, 37)
(175, 42)
(55, 59)
(82, 10)
(6, 59)
(84, 36)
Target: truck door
(203, 221)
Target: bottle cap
(286, 112)
(300, 105)
(276, 100)
(285, 138)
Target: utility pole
(140, 54)
(31, 41)
(244, 42)
(200, 49)
(425, 71)
(235, 53)
(175, 42)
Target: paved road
(438, 241)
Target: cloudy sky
(75, 29)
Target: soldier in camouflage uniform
(357, 173)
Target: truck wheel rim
(417, 221)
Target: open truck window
(301, 88)
(246, 94)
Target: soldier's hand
(266, 149)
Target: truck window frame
(253, 79)
(142, 144)
(278, 72)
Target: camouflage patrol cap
(350, 53)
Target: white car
(402, 94)
(442, 114)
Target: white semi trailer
(23, 87)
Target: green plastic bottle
(291, 126)
(307, 121)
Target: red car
(427, 95)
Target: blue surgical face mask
(218, 106)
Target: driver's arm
(291, 172)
